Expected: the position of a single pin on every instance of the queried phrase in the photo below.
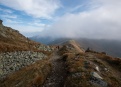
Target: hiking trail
(58, 74)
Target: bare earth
(58, 75)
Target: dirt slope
(76, 46)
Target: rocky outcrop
(13, 61)
(1, 22)
(43, 47)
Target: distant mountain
(49, 40)
(111, 47)
(44, 40)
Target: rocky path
(58, 75)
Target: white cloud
(102, 22)
(13, 21)
(35, 8)
(37, 23)
(30, 29)
(6, 10)
(26, 30)
(9, 16)
(76, 8)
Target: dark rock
(1, 22)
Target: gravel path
(58, 75)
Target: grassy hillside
(91, 69)
(12, 40)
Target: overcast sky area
(100, 19)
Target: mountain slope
(75, 45)
(23, 62)
(12, 40)
(91, 69)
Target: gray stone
(96, 75)
(10, 62)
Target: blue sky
(63, 18)
(19, 18)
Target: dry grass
(112, 61)
(30, 76)
(11, 47)
(6, 47)
(76, 64)
(12, 40)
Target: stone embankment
(13, 61)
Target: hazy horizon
(93, 19)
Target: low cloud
(102, 22)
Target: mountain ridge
(111, 47)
